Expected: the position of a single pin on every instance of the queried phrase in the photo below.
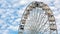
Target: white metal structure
(38, 19)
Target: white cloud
(23, 2)
(16, 22)
(14, 28)
(57, 3)
(58, 16)
(4, 31)
(1, 21)
(21, 11)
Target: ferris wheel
(38, 18)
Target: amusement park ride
(38, 18)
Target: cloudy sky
(11, 12)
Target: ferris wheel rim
(44, 7)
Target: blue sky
(11, 12)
